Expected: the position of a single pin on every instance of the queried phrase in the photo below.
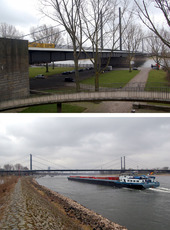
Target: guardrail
(111, 92)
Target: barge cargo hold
(135, 182)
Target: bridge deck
(116, 95)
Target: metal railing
(115, 91)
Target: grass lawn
(34, 71)
(116, 76)
(52, 108)
(157, 81)
(157, 76)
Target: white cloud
(20, 13)
(86, 142)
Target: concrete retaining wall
(14, 69)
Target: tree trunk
(47, 68)
(76, 65)
(130, 65)
(97, 81)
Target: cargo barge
(135, 182)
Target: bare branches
(132, 40)
(164, 7)
(158, 50)
(46, 34)
(67, 14)
(9, 31)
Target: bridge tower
(31, 162)
(123, 163)
(120, 27)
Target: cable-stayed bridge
(42, 166)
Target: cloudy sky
(87, 142)
(24, 14)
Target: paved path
(28, 210)
(142, 76)
(122, 107)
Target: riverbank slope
(31, 206)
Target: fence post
(59, 107)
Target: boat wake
(160, 189)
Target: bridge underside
(40, 55)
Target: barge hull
(106, 182)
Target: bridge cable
(46, 160)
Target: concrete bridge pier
(59, 107)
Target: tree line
(105, 24)
(10, 167)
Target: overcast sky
(24, 14)
(85, 142)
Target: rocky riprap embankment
(34, 207)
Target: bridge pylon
(31, 162)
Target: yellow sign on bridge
(41, 45)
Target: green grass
(157, 76)
(157, 81)
(52, 108)
(34, 71)
(116, 76)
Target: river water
(136, 209)
(147, 64)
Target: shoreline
(29, 205)
(77, 211)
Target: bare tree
(67, 14)
(101, 27)
(159, 52)
(18, 166)
(8, 167)
(145, 16)
(9, 31)
(95, 16)
(44, 34)
(132, 40)
(155, 46)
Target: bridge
(120, 166)
(131, 92)
(78, 171)
(48, 55)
